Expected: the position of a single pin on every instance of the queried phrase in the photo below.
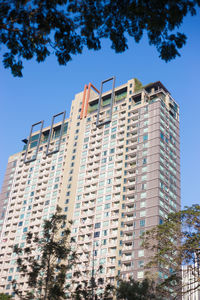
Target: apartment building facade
(114, 168)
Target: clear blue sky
(47, 89)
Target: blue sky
(47, 89)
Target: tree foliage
(137, 290)
(93, 288)
(44, 261)
(5, 297)
(174, 243)
(37, 28)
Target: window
(100, 200)
(25, 229)
(96, 234)
(109, 189)
(108, 197)
(144, 161)
(107, 206)
(105, 223)
(144, 186)
(76, 214)
(140, 274)
(144, 177)
(100, 192)
(105, 232)
(110, 166)
(99, 208)
(162, 136)
(103, 161)
(142, 223)
(140, 253)
(143, 213)
(112, 150)
(106, 214)
(143, 195)
(145, 137)
(97, 225)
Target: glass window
(140, 274)
(99, 208)
(105, 232)
(101, 183)
(145, 137)
(143, 195)
(107, 206)
(99, 199)
(96, 234)
(105, 223)
(112, 150)
(142, 223)
(97, 225)
(103, 161)
(100, 191)
(144, 161)
(140, 253)
(143, 213)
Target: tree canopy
(137, 290)
(173, 244)
(37, 28)
(5, 297)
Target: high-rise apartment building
(114, 168)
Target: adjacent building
(114, 168)
(190, 281)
